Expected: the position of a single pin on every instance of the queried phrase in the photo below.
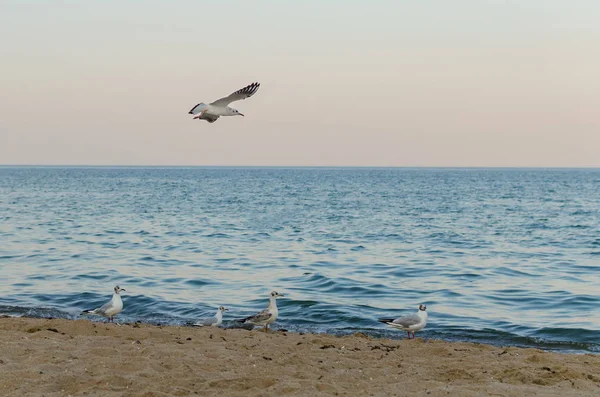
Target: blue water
(508, 257)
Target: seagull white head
(422, 307)
(234, 112)
(276, 295)
(118, 289)
(222, 309)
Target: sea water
(501, 256)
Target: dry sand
(41, 357)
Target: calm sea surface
(499, 256)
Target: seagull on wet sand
(410, 324)
(212, 321)
(111, 308)
(220, 107)
(267, 316)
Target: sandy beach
(41, 357)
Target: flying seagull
(111, 308)
(220, 107)
(267, 316)
(212, 321)
(412, 323)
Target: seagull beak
(123, 289)
(241, 114)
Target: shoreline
(486, 337)
(58, 357)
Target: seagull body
(109, 309)
(410, 324)
(267, 316)
(212, 321)
(220, 107)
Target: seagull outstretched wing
(244, 93)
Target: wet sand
(40, 357)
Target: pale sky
(343, 82)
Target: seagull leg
(266, 328)
(408, 333)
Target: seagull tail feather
(385, 320)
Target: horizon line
(289, 166)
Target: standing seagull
(218, 108)
(109, 309)
(267, 316)
(212, 321)
(412, 323)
